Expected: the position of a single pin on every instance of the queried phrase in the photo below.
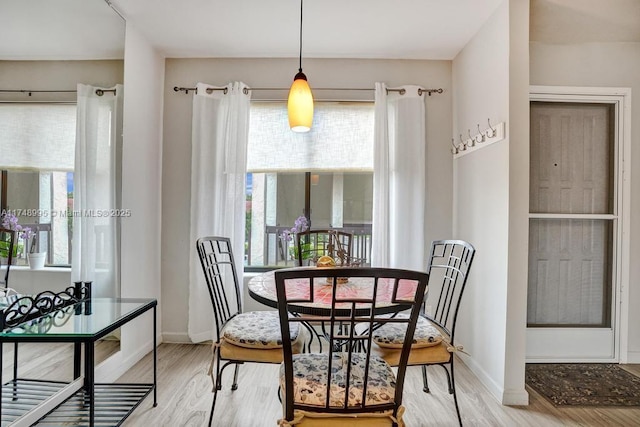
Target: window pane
(40, 200)
(344, 201)
(274, 201)
(39, 148)
(338, 155)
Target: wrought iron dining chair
(240, 337)
(348, 385)
(312, 244)
(433, 341)
(7, 244)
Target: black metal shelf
(113, 402)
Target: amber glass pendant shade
(300, 104)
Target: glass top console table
(26, 402)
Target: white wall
(32, 282)
(515, 342)
(56, 75)
(482, 83)
(141, 193)
(279, 73)
(604, 65)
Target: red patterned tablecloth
(263, 289)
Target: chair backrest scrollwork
(448, 268)
(218, 266)
(349, 373)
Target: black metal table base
(113, 402)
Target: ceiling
(407, 29)
(60, 29)
(395, 29)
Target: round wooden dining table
(262, 288)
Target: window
(36, 172)
(327, 172)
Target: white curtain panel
(220, 129)
(399, 179)
(95, 237)
(380, 222)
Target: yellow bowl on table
(326, 261)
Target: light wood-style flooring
(184, 393)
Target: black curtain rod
(99, 92)
(246, 90)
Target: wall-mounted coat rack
(482, 138)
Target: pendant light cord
(300, 63)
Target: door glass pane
(569, 273)
(572, 153)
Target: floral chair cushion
(391, 335)
(256, 329)
(310, 380)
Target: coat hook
(480, 136)
(472, 140)
(462, 143)
(454, 150)
(491, 132)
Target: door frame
(621, 98)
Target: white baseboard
(200, 337)
(505, 397)
(515, 398)
(116, 365)
(105, 372)
(176, 337)
(495, 390)
(633, 357)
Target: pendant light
(300, 102)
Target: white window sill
(22, 268)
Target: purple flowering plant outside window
(288, 236)
(10, 221)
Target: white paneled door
(573, 232)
